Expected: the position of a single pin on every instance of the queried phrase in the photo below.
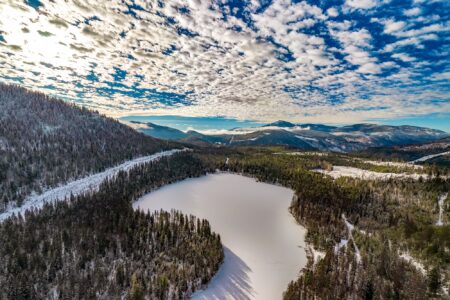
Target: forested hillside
(97, 247)
(409, 152)
(44, 142)
(378, 239)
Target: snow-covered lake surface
(77, 187)
(264, 247)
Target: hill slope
(417, 153)
(158, 131)
(45, 142)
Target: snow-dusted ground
(342, 243)
(306, 153)
(340, 171)
(77, 187)
(425, 158)
(316, 254)
(441, 201)
(307, 138)
(393, 164)
(350, 228)
(419, 266)
(264, 246)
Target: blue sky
(334, 62)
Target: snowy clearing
(307, 153)
(77, 187)
(341, 171)
(264, 246)
(316, 254)
(393, 164)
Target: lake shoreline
(264, 245)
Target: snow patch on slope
(307, 138)
(350, 228)
(315, 254)
(407, 257)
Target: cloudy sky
(263, 60)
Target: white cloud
(369, 68)
(412, 12)
(332, 12)
(404, 57)
(361, 4)
(391, 26)
(235, 73)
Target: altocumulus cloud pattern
(264, 60)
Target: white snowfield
(425, 158)
(263, 244)
(341, 171)
(77, 187)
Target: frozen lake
(264, 247)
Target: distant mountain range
(303, 136)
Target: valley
(136, 217)
(224, 150)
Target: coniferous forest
(45, 142)
(390, 218)
(97, 247)
(281, 149)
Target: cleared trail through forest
(441, 202)
(427, 157)
(77, 187)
